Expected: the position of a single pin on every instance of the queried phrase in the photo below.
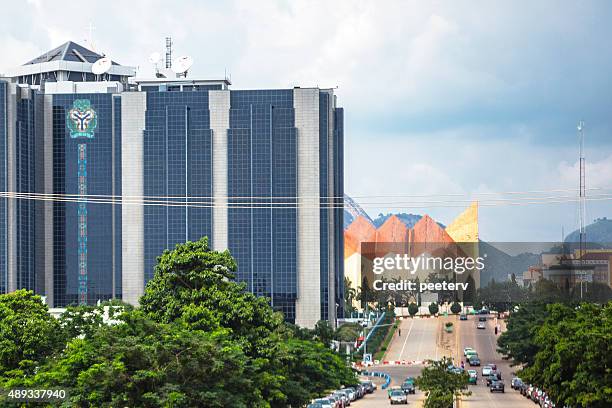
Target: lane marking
(406, 340)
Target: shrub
(433, 308)
(455, 308)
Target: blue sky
(440, 97)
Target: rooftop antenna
(582, 198)
(155, 58)
(101, 66)
(168, 52)
(181, 65)
(90, 29)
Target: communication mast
(168, 52)
(582, 200)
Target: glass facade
(177, 181)
(85, 233)
(262, 178)
(4, 187)
(24, 183)
(177, 170)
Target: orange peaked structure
(423, 236)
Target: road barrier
(386, 376)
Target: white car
(486, 370)
(466, 350)
(481, 325)
(398, 397)
(325, 403)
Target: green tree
(572, 364)
(441, 384)
(142, 363)
(28, 334)
(413, 309)
(455, 308)
(310, 369)
(324, 332)
(193, 285)
(517, 342)
(433, 308)
(350, 296)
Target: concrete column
(308, 304)
(133, 110)
(219, 106)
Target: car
(409, 380)
(408, 387)
(398, 397)
(494, 376)
(481, 325)
(394, 388)
(473, 376)
(474, 361)
(482, 318)
(314, 405)
(463, 316)
(471, 353)
(515, 383)
(336, 400)
(344, 397)
(497, 386)
(486, 370)
(369, 386)
(465, 350)
(325, 403)
(351, 393)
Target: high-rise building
(104, 172)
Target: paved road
(416, 343)
(484, 342)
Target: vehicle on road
(409, 380)
(408, 388)
(473, 376)
(515, 383)
(474, 361)
(482, 318)
(336, 400)
(471, 353)
(494, 376)
(344, 397)
(463, 316)
(325, 403)
(398, 397)
(481, 325)
(486, 370)
(351, 393)
(315, 405)
(466, 349)
(369, 386)
(394, 388)
(497, 386)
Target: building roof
(69, 51)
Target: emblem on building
(82, 119)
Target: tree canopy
(198, 339)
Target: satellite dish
(154, 58)
(101, 66)
(182, 64)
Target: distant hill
(499, 265)
(409, 219)
(598, 232)
(352, 210)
